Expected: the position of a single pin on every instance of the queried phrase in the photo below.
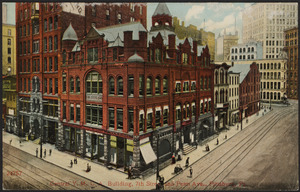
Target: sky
(217, 16)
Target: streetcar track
(245, 152)
(254, 133)
(23, 172)
(20, 179)
(270, 116)
(37, 168)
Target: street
(24, 171)
(264, 156)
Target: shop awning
(147, 152)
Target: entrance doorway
(186, 134)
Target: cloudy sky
(217, 16)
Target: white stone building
(233, 110)
(266, 22)
(247, 51)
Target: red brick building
(249, 90)
(123, 87)
(291, 48)
(40, 27)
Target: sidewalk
(115, 179)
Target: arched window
(55, 22)
(111, 86)
(165, 85)
(50, 23)
(157, 85)
(93, 83)
(64, 56)
(45, 24)
(120, 86)
(216, 77)
(77, 85)
(178, 112)
(222, 77)
(71, 85)
(149, 86)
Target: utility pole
(157, 153)
(41, 142)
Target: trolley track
(208, 163)
(43, 178)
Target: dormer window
(157, 55)
(184, 58)
(119, 18)
(107, 14)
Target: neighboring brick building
(249, 94)
(221, 92)
(124, 91)
(291, 48)
(40, 28)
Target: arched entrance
(36, 128)
(204, 130)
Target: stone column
(60, 142)
(19, 119)
(83, 143)
(136, 157)
(106, 149)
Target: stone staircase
(188, 148)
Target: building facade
(10, 100)
(223, 44)
(221, 96)
(249, 89)
(126, 92)
(291, 48)
(266, 22)
(40, 28)
(8, 49)
(248, 51)
(234, 103)
(201, 36)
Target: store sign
(75, 8)
(94, 97)
(11, 112)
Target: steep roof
(70, 34)
(112, 33)
(117, 43)
(200, 49)
(243, 69)
(164, 33)
(162, 9)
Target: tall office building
(223, 44)
(266, 22)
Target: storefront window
(67, 138)
(88, 145)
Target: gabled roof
(243, 69)
(70, 34)
(117, 43)
(76, 47)
(200, 50)
(162, 9)
(164, 33)
(111, 33)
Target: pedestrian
(173, 159)
(10, 141)
(162, 182)
(129, 172)
(20, 142)
(71, 163)
(37, 152)
(88, 168)
(237, 127)
(225, 136)
(217, 141)
(50, 151)
(191, 171)
(187, 162)
(75, 160)
(45, 152)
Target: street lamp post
(41, 141)
(157, 153)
